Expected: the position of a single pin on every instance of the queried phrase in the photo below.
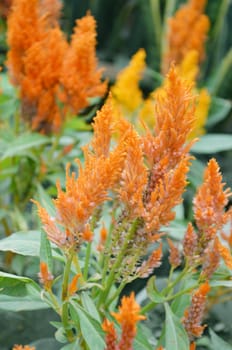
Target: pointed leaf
(24, 243)
(218, 343)
(23, 143)
(89, 306)
(213, 143)
(90, 328)
(175, 335)
(153, 293)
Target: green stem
(150, 306)
(87, 260)
(65, 306)
(169, 10)
(116, 294)
(155, 10)
(223, 70)
(118, 261)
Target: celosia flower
(75, 205)
(103, 237)
(40, 83)
(127, 317)
(209, 204)
(111, 335)
(174, 257)
(194, 314)
(80, 78)
(224, 252)
(134, 175)
(211, 260)
(21, 347)
(149, 265)
(24, 29)
(45, 277)
(126, 91)
(190, 242)
(187, 31)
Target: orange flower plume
(128, 316)
(187, 31)
(75, 205)
(209, 204)
(45, 276)
(46, 68)
(80, 77)
(194, 314)
(21, 347)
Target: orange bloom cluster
(194, 314)
(187, 31)
(209, 204)
(149, 193)
(84, 194)
(167, 150)
(80, 77)
(127, 317)
(45, 276)
(47, 69)
(21, 347)
(210, 201)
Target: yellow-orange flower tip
(45, 276)
(23, 347)
(87, 234)
(72, 288)
(224, 252)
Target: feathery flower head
(127, 317)
(149, 265)
(39, 86)
(174, 257)
(134, 175)
(126, 91)
(83, 194)
(194, 314)
(209, 203)
(45, 276)
(80, 76)
(224, 252)
(111, 335)
(24, 29)
(188, 30)
(211, 260)
(190, 242)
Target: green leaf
(221, 283)
(89, 306)
(219, 110)
(11, 303)
(45, 200)
(218, 343)
(90, 328)
(24, 143)
(213, 143)
(175, 336)
(153, 293)
(141, 340)
(24, 243)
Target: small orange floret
(45, 276)
(72, 288)
(194, 314)
(225, 253)
(21, 347)
(111, 335)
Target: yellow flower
(126, 91)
